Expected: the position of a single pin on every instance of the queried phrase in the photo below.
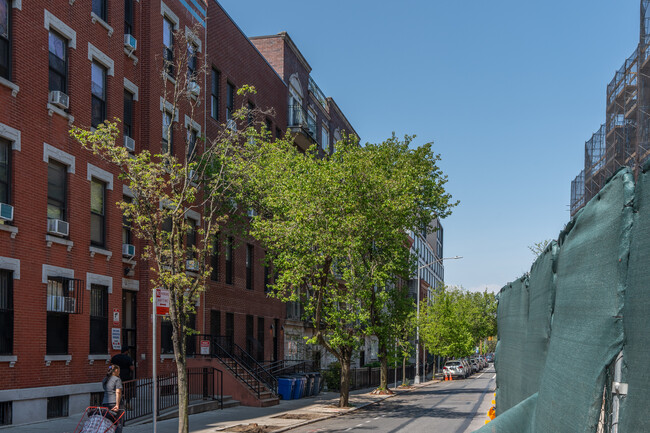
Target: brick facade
(38, 133)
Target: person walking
(113, 392)
(125, 362)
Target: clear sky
(507, 90)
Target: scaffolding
(578, 192)
(594, 171)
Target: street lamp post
(417, 314)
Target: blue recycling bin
(303, 389)
(316, 390)
(297, 389)
(310, 384)
(285, 387)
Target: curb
(334, 415)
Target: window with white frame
(5, 171)
(168, 42)
(98, 319)
(98, 91)
(99, 8)
(167, 132)
(56, 190)
(58, 63)
(325, 138)
(97, 213)
(6, 312)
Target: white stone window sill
(93, 358)
(51, 109)
(102, 251)
(97, 20)
(11, 229)
(129, 261)
(57, 240)
(130, 55)
(14, 87)
(170, 78)
(10, 359)
(54, 358)
(166, 356)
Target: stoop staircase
(260, 386)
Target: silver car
(455, 368)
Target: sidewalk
(286, 415)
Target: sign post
(160, 306)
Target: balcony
(302, 126)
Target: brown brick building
(68, 282)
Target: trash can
(316, 383)
(309, 389)
(297, 388)
(285, 387)
(303, 385)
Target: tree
(539, 247)
(171, 187)
(334, 228)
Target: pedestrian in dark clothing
(113, 394)
(125, 362)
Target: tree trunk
(404, 370)
(346, 357)
(383, 358)
(179, 339)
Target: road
(459, 406)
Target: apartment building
(72, 288)
(624, 138)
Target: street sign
(205, 347)
(162, 302)
(116, 317)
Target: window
(5, 173)
(215, 323)
(6, 312)
(229, 260)
(58, 47)
(214, 261)
(98, 91)
(126, 225)
(250, 119)
(128, 17)
(325, 139)
(98, 319)
(230, 101)
(191, 62)
(168, 42)
(56, 190)
(311, 122)
(167, 133)
(250, 342)
(5, 40)
(166, 344)
(58, 302)
(214, 98)
(260, 338)
(190, 240)
(191, 143)
(249, 266)
(99, 8)
(97, 212)
(230, 328)
(57, 407)
(5, 413)
(127, 118)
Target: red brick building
(67, 281)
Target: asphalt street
(458, 406)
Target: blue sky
(507, 90)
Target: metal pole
(154, 378)
(417, 329)
(396, 363)
(618, 389)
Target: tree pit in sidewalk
(252, 428)
(304, 416)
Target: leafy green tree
(334, 229)
(169, 189)
(539, 247)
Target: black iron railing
(283, 367)
(246, 368)
(204, 383)
(367, 377)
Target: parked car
(483, 362)
(455, 368)
(467, 366)
(475, 365)
(489, 357)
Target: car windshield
(452, 364)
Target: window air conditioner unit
(129, 143)
(59, 99)
(128, 250)
(6, 212)
(192, 265)
(194, 88)
(231, 124)
(57, 227)
(130, 42)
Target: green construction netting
(512, 316)
(636, 319)
(561, 328)
(587, 330)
